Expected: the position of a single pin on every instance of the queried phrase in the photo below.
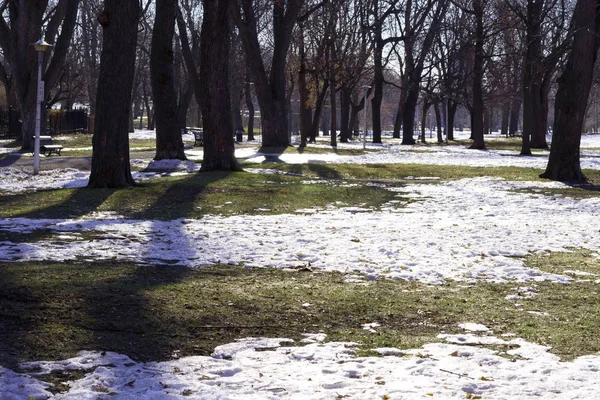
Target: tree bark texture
(572, 95)
(110, 156)
(169, 144)
(219, 149)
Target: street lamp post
(40, 47)
(366, 87)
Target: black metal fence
(58, 121)
(67, 121)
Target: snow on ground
(466, 229)
(458, 367)
(471, 229)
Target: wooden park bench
(47, 148)
(198, 135)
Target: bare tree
(572, 96)
(269, 84)
(19, 28)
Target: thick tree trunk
(572, 95)
(217, 122)
(169, 144)
(110, 156)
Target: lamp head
(41, 45)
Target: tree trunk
(326, 121)
(572, 95)
(410, 108)
(345, 103)
(531, 74)
(504, 118)
(400, 112)
(452, 107)
(219, 148)
(378, 78)
(184, 102)
(426, 106)
(438, 122)
(305, 109)
(477, 112)
(169, 144)
(270, 88)
(332, 89)
(250, 107)
(318, 114)
(110, 156)
(538, 137)
(538, 141)
(515, 113)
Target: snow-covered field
(471, 229)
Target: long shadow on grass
(81, 202)
(113, 314)
(54, 311)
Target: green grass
(194, 196)
(51, 311)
